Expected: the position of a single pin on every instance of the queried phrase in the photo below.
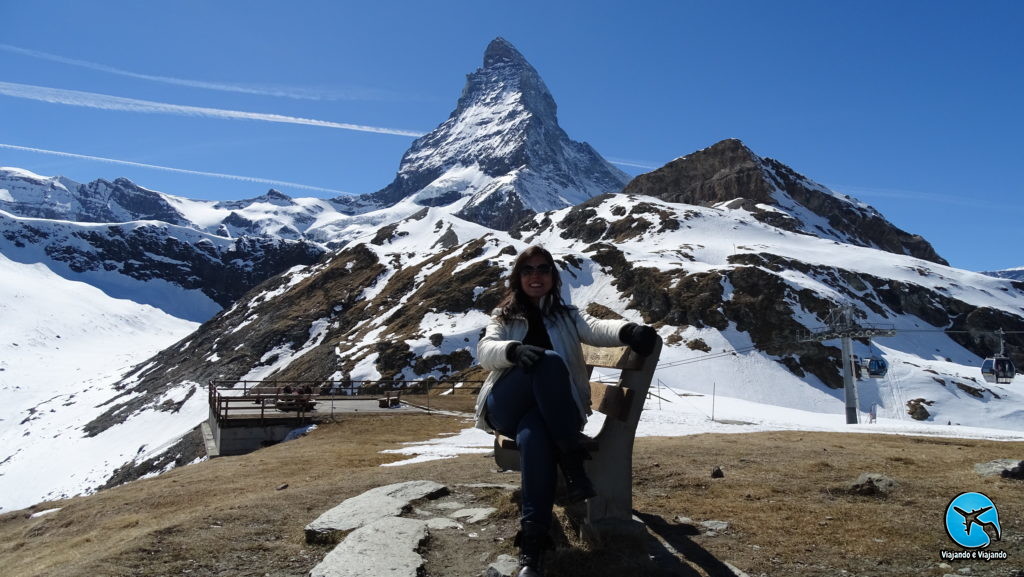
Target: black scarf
(536, 333)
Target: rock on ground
(503, 566)
(385, 547)
(1008, 468)
(375, 504)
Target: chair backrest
(612, 400)
(611, 468)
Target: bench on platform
(388, 401)
(297, 403)
(611, 468)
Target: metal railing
(235, 397)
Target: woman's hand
(525, 356)
(640, 338)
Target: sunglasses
(527, 270)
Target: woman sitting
(538, 390)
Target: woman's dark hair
(515, 302)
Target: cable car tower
(840, 325)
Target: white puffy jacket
(566, 330)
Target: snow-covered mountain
(499, 157)
(730, 174)
(1013, 273)
(26, 194)
(731, 256)
(501, 152)
(63, 344)
(188, 258)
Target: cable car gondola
(877, 367)
(998, 370)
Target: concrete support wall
(243, 437)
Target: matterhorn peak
(501, 155)
(507, 76)
(501, 51)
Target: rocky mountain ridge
(187, 273)
(730, 174)
(1012, 273)
(59, 198)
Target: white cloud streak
(107, 102)
(261, 90)
(633, 163)
(169, 169)
(968, 199)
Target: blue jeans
(537, 409)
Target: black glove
(640, 338)
(525, 356)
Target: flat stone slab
(1007, 468)
(371, 506)
(443, 523)
(453, 505)
(386, 547)
(474, 515)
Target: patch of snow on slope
(283, 355)
(62, 345)
(682, 412)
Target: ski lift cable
(709, 357)
(715, 356)
(683, 397)
(958, 331)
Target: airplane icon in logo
(990, 528)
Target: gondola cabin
(998, 370)
(877, 367)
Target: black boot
(578, 487)
(532, 540)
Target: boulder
(872, 485)
(1006, 468)
(503, 566)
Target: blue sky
(913, 107)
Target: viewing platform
(247, 415)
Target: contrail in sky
(647, 165)
(917, 196)
(287, 92)
(169, 169)
(106, 102)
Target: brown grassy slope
(784, 496)
(781, 495)
(224, 516)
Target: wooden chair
(611, 468)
